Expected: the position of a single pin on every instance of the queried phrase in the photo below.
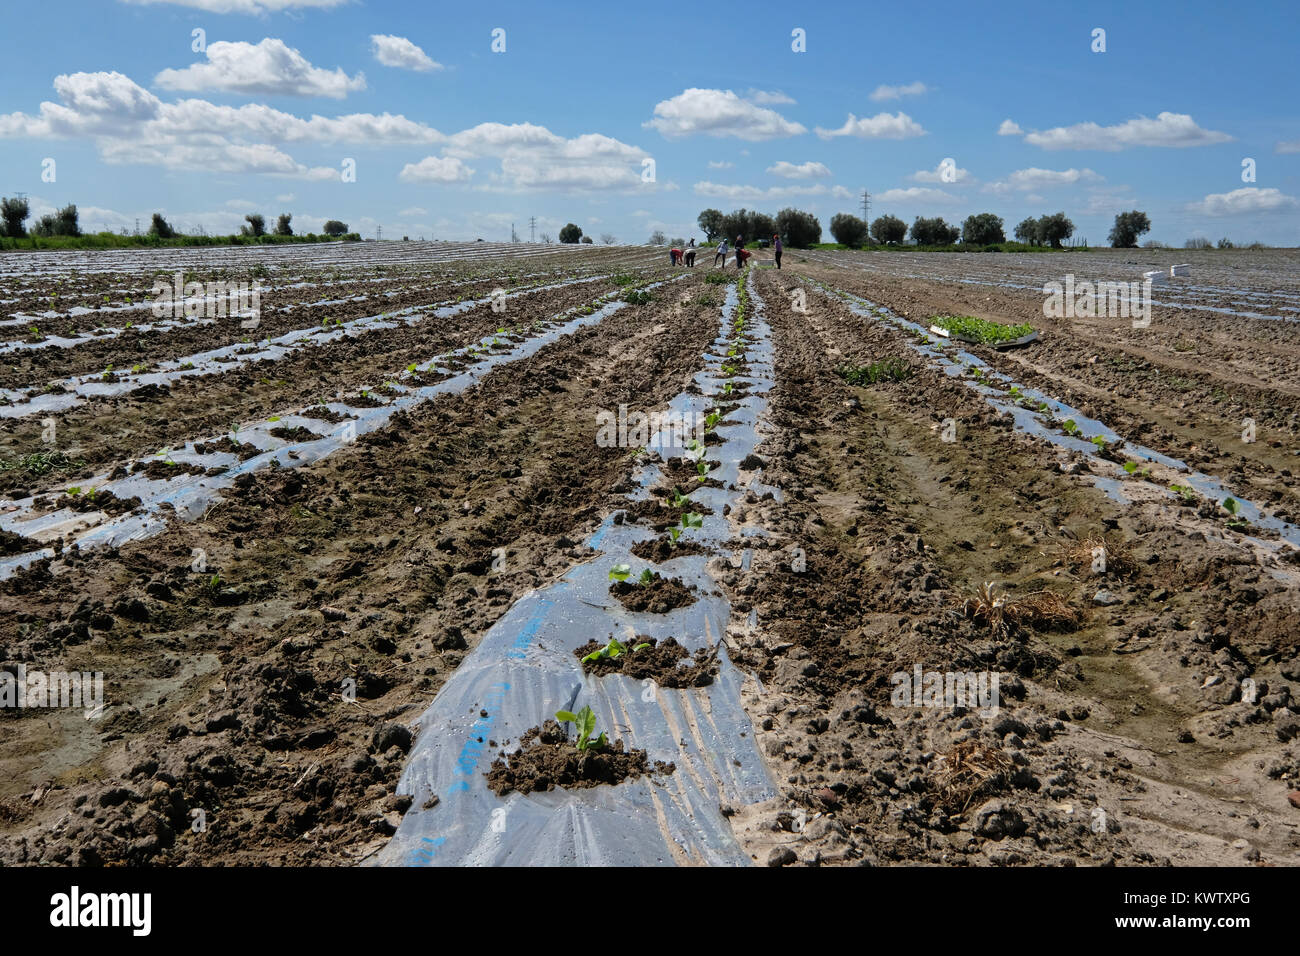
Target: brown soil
(661, 662)
(657, 596)
(547, 759)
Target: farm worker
(690, 255)
(721, 253)
(776, 245)
(676, 255)
(741, 254)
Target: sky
(455, 121)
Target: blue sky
(452, 140)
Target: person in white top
(721, 253)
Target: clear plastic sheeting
(188, 496)
(524, 670)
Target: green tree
(13, 213)
(1128, 226)
(1027, 231)
(799, 229)
(282, 227)
(657, 238)
(710, 223)
(335, 228)
(1054, 229)
(570, 233)
(161, 228)
(888, 230)
(256, 225)
(982, 229)
(933, 232)
(61, 223)
(848, 230)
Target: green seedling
(711, 421)
(1188, 495)
(613, 650)
(1070, 428)
(646, 579)
(1233, 507)
(620, 572)
(1099, 441)
(702, 470)
(584, 722)
(726, 389)
(679, 500)
(166, 455)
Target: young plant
(620, 572)
(702, 470)
(1099, 441)
(1233, 507)
(584, 722)
(613, 650)
(1070, 428)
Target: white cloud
(958, 175)
(270, 67)
(129, 124)
(436, 169)
(1110, 200)
(412, 211)
(401, 52)
(1034, 197)
(756, 193)
(1175, 130)
(920, 194)
(1249, 200)
(1291, 146)
(720, 164)
(808, 170)
(884, 92)
(840, 192)
(533, 157)
(1034, 178)
(256, 7)
(769, 98)
(880, 126)
(1010, 128)
(719, 113)
(285, 197)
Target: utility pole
(137, 225)
(532, 228)
(379, 233)
(866, 207)
(513, 236)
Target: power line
(866, 206)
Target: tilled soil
(270, 690)
(263, 664)
(547, 759)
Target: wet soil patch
(547, 759)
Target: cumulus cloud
(880, 126)
(253, 7)
(1250, 200)
(1291, 146)
(1010, 128)
(808, 170)
(1034, 178)
(402, 53)
(1173, 130)
(270, 67)
(756, 193)
(719, 113)
(532, 156)
(436, 169)
(920, 194)
(957, 174)
(769, 98)
(884, 92)
(720, 164)
(128, 124)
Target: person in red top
(676, 255)
(741, 254)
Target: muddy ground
(268, 697)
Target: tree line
(65, 224)
(799, 229)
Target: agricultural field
(490, 553)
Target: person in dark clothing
(776, 245)
(741, 254)
(690, 256)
